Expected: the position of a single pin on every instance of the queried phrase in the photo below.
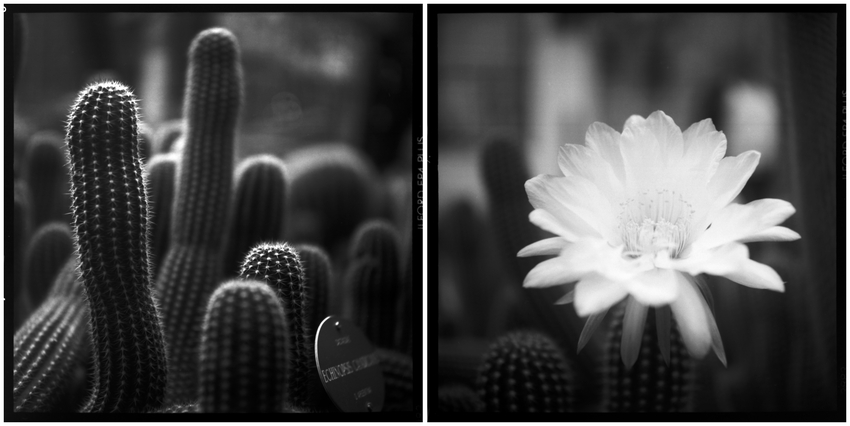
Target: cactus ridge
(279, 266)
(161, 171)
(46, 350)
(525, 372)
(243, 356)
(458, 399)
(373, 283)
(397, 369)
(178, 409)
(166, 136)
(192, 267)
(651, 385)
(317, 276)
(46, 173)
(48, 252)
(21, 219)
(259, 207)
(110, 216)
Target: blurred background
(512, 88)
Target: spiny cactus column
(259, 207)
(46, 350)
(458, 399)
(161, 171)
(373, 283)
(652, 384)
(49, 250)
(193, 265)
(46, 173)
(243, 350)
(166, 136)
(279, 266)
(21, 223)
(398, 380)
(317, 275)
(525, 372)
(110, 221)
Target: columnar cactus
(652, 384)
(333, 190)
(46, 350)
(48, 252)
(161, 171)
(18, 36)
(243, 350)
(317, 275)
(398, 380)
(279, 266)
(404, 333)
(110, 219)
(373, 283)
(21, 223)
(258, 207)
(458, 398)
(178, 409)
(46, 173)
(67, 281)
(525, 372)
(193, 264)
(166, 136)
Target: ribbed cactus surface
(458, 399)
(243, 350)
(22, 227)
(192, 268)
(48, 252)
(373, 283)
(166, 136)
(110, 222)
(317, 275)
(258, 207)
(161, 171)
(279, 266)
(397, 369)
(46, 173)
(525, 372)
(652, 384)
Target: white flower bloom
(639, 215)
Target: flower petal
(662, 327)
(690, 314)
(736, 222)
(726, 183)
(549, 246)
(606, 142)
(595, 294)
(704, 148)
(578, 259)
(567, 298)
(575, 203)
(577, 160)
(633, 323)
(716, 341)
(544, 220)
(774, 233)
(590, 327)
(650, 147)
(655, 287)
(733, 262)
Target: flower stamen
(653, 221)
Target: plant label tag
(348, 366)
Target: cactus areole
(348, 366)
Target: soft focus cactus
(166, 136)
(459, 399)
(404, 332)
(20, 239)
(317, 275)
(161, 171)
(397, 369)
(48, 252)
(653, 384)
(525, 372)
(19, 38)
(110, 219)
(279, 266)
(178, 409)
(45, 171)
(243, 350)
(46, 350)
(332, 191)
(192, 267)
(258, 208)
(373, 283)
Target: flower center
(653, 221)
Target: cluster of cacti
(526, 372)
(45, 172)
(140, 293)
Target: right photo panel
(637, 213)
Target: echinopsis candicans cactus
(243, 350)
(398, 380)
(459, 399)
(110, 223)
(21, 223)
(161, 171)
(525, 372)
(317, 275)
(46, 173)
(49, 250)
(166, 136)
(259, 207)
(192, 266)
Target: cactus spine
(373, 283)
(192, 266)
(525, 372)
(279, 266)
(243, 350)
(317, 275)
(259, 207)
(110, 216)
(398, 380)
(46, 173)
(161, 176)
(49, 250)
(652, 384)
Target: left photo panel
(215, 211)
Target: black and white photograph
(638, 211)
(213, 212)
